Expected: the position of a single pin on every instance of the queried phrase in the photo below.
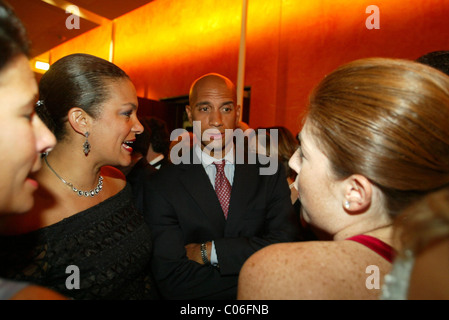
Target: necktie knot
(220, 165)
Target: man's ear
(189, 113)
(79, 120)
(358, 192)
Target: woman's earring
(347, 204)
(86, 145)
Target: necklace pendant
(86, 145)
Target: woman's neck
(380, 231)
(64, 164)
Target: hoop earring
(86, 145)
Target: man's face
(213, 105)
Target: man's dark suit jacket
(182, 208)
(136, 177)
(163, 162)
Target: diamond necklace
(81, 193)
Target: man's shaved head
(211, 81)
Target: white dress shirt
(208, 163)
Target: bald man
(198, 249)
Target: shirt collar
(157, 159)
(207, 160)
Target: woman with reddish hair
(375, 140)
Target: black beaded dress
(103, 252)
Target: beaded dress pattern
(109, 244)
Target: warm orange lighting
(96, 42)
(290, 45)
(40, 65)
(183, 30)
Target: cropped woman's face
(317, 189)
(116, 128)
(24, 136)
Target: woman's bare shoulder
(33, 292)
(112, 172)
(303, 270)
(114, 178)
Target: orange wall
(291, 45)
(165, 45)
(96, 41)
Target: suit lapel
(197, 184)
(245, 177)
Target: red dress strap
(378, 246)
